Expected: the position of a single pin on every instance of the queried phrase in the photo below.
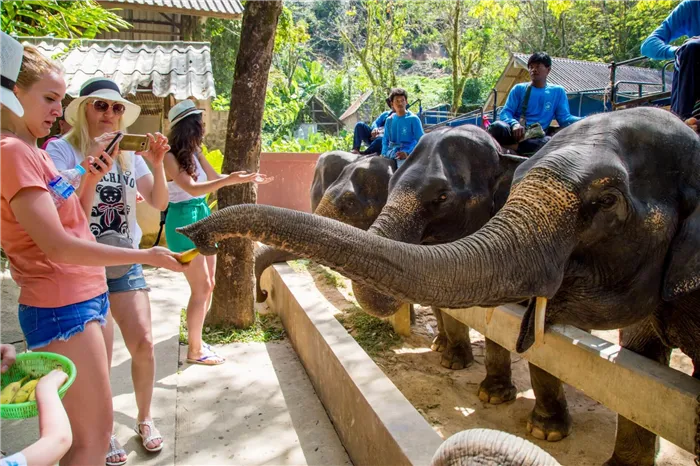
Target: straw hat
(182, 110)
(11, 53)
(102, 88)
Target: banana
(8, 393)
(32, 395)
(188, 256)
(24, 392)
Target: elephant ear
(682, 274)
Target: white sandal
(151, 437)
(114, 451)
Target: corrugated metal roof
(182, 69)
(230, 9)
(578, 75)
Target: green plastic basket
(35, 365)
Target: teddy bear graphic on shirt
(110, 212)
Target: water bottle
(65, 184)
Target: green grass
(331, 277)
(267, 327)
(371, 333)
(300, 265)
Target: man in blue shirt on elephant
(402, 130)
(530, 109)
(684, 20)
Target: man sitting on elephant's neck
(530, 109)
(370, 135)
(402, 130)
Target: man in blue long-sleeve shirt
(532, 103)
(402, 130)
(370, 135)
(684, 20)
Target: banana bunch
(18, 392)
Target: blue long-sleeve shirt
(544, 105)
(381, 120)
(401, 133)
(684, 20)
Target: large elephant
(604, 222)
(346, 187)
(453, 183)
(487, 447)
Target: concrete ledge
(654, 396)
(375, 422)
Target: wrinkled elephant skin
(604, 221)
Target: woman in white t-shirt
(110, 205)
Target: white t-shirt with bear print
(108, 210)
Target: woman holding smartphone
(97, 115)
(55, 260)
(193, 178)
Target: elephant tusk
(540, 308)
(489, 314)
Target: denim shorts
(131, 281)
(43, 325)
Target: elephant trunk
(490, 448)
(518, 254)
(265, 256)
(402, 219)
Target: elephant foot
(550, 428)
(439, 342)
(495, 390)
(457, 356)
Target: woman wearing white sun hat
(56, 262)
(110, 205)
(193, 178)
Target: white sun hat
(102, 88)
(11, 53)
(182, 110)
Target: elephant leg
(498, 386)
(634, 445)
(440, 341)
(458, 352)
(550, 419)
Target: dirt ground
(447, 399)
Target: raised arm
(657, 45)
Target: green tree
(225, 38)
(80, 19)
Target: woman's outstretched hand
(245, 177)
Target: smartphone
(109, 148)
(135, 142)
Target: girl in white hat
(193, 178)
(110, 204)
(55, 260)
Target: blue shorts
(131, 281)
(43, 325)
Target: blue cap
(80, 169)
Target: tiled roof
(219, 8)
(182, 69)
(579, 75)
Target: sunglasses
(102, 106)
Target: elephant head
(603, 222)
(346, 187)
(487, 447)
(453, 183)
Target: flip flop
(209, 358)
(113, 451)
(151, 437)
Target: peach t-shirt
(42, 283)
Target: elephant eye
(607, 201)
(441, 198)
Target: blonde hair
(34, 67)
(79, 136)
